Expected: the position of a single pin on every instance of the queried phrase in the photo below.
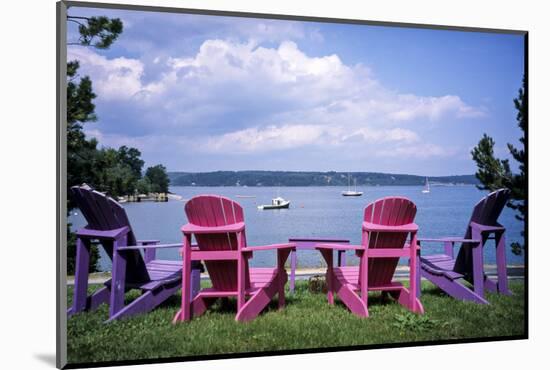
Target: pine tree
(495, 173)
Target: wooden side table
(309, 243)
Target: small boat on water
(426, 189)
(352, 193)
(172, 196)
(276, 203)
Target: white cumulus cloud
(113, 79)
(243, 97)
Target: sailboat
(352, 193)
(426, 189)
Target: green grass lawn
(306, 322)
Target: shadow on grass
(222, 305)
(377, 300)
(433, 291)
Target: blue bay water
(316, 212)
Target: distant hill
(296, 178)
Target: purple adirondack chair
(447, 272)
(218, 226)
(387, 224)
(109, 224)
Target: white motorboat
(276, 203)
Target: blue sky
(204, 93)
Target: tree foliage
(495, 173)
(99, 32)
(114, 171)
(112, 175)
(131, 157)
(80, 96)
(158, 178)
(83, 156)
(492, 172)
(143, 186)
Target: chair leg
(351, 299)
(99, 297)
(454, 288)
(329, 276)
(413, 280)
(477, 268)
(184, 314)
(490, 285)
(404, 299)
(241, 274)
(418, 278)
(501, 265)
(364, 279)
(118, 281)
(146, 302)
(281, 277)
(82, 269)
(292, 270)
(141, 304)
(257, 302)
(200, 304)
(341, 258)
(281, 295)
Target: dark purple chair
(448, 272)
(109, 225)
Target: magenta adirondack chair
(448, 272)
(109, 224)
(218, 226)
(386, 225)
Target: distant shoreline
(312, 186)
(303, 178)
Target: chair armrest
(368, 226)
(148, 242)
(449, 239)
(339, 247)
(150, 246)
(291, 246)
(194, 229)
(485, 228)
(318, 240)
(103, 234)
(449, 243)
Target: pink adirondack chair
(387, 224)
(218, 226)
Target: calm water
(315, 212)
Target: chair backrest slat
(102, 223)
(214, 210)
(86, 208)
(390, 211)
(104, 213)
(486, 212)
